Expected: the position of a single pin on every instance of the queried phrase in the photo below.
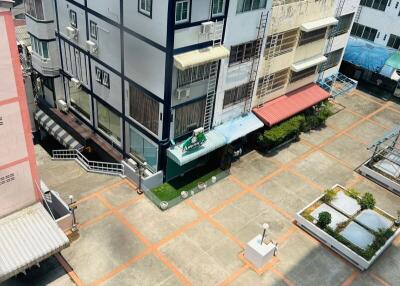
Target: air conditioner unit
(62, 106)
(182, 92)
(39, 83)
(76, 82)
(207, 28)
(72, 32)
(91, 47)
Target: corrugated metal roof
(290, 104)
(27, 237)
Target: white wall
(144, 64)
(154, 28)
(108, 8)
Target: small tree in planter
(367, 201)
(328, 196)
(324, 219)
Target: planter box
(380, 179)
(337, 246)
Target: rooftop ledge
(318, 24)
(307, 63)
(199, 57)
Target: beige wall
(291, 16)
(309, 50)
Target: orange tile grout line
(282, 276)
(94, 220)
(272, 205)
(102, 190)
(68, 269)
(307, 180)
(349, 280)
(217, 225)
(234, 275)
(171, 267)
(379, 279)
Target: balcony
(44, 66)
(40, 29)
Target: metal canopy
(57, 131)
(199, 57)
(337, 84)
(27, 237)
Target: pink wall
(18, 170)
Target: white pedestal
(259, 254)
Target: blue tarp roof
(239, 127)
(366, 54)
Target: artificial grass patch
(171, 190)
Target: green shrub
(282, 132)
(367, 201)
(328, 196)
(324, 112)
(312, 121)
(324, 219)
(353, 193)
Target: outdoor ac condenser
(72, 32)
(182, 92)
(91, 47)
(207, 28)
(62, 106)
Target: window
(143, 149)
(189, 117)
(272, 82)
(397, 5)
(93, 30)
(80, 100)
(145, 7)
(108, 122)
(99, 74)
(182, 11)
(285, 42)
(394, 42)
(34, 8)
(73, 19)
(143, 109)
(308, 37)
(218, 7)
(194, 74)
(249, 5)
(364, 32)
(40, 47)
(375, 4)
(244, 52)
(106, 79)
(333, 60)
(384, 37)
(295, 76)
(237, 94)
(343, 25)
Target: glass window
(145, 7)
(93, 30)
(40, 47)
(308, 37)
(143, 109)
(182, 11)
(249, 5)
(218, 7)
(237, 94)
(80, 100)
(72, 19)
(106, 79)
(189, 117)
(108, 122)
(295, 76)
(34, 8)
(244, 52)
(143, 149)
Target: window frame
(222, 8)
(99, 74)
(137, 156)
(183, 21)
(105, 79)
(240, 10)
(312, 36)
(237, 90)
(93, 30)
(107, 130)
(143, 11)
(73, 18)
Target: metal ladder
(261, 28)
(268, 60)
(212, 78)
(358, 13)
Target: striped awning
(56, 131)
(28, 237)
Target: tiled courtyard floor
(125, 240)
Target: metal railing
(90, 166)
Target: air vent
(7, 179)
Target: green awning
(394, 61)
(214, 141)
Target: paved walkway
(125, 240)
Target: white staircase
(114, 169)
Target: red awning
(290, 104)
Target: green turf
(173, 189)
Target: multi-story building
(306, 40)
(142, 75)
(28, 232)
